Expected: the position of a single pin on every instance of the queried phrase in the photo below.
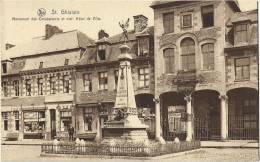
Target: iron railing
(243, 128)
(102, 149)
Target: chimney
(51, 30)
(7, 46)
(102, 34)
(140, 23)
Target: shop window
(52, 85)
(116, 74)
(87, 81)
(66, 86)
(5, 118)
(187, 20)
(168, 55)
(143, 46)
(33, 123)
(143, 77)
(41, 65)
(168, 22)
(40, 86)
(65, 120)
(207, 15)
(66, 62)
(102, 80)
(88, 117)
(16, 117)
(5, 88)
(208, 56)
(16, 88)
(188, 53)
(28, 87)
(242, 68)
(240, 33)
(4, 66)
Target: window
(101, 52)
(41, 65)
(186, 20)
(116, 74)
(65, 118)
(208, 56)
(144, 77)
(168, 22)
(207, 15)
(143, 46)
(250, 106)
(102, 80)
(33, 122)
(28, 87)
(5, 88)
(241, 33)
(66, 62)
(188, 53)
(242, 68)
(4, 66)
(16, 117)
(87, 81)
(16, 88)
(52, 85)
(66, 86)
(88, 119)
(40, 86)
(168, 55)
(5, 118)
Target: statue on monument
(125, 27)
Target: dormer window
(41, 65)
(4, 66)
(101, 52)
(187, 20)
(66, 62)
(240, 33)
(143, 46)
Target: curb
(238, 147)
(119, 157)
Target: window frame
(52, 85)
(170, 60)
(86, 115)
(104, 86)
(40, 90)
(236, 37)
(17, 118)
(168, 20)
(210, 55)
(5, 88)
(16, 87)
(204, 14)
(4, 67)
(89, 80)
(5, 118)
(65, 118)
(41, 65)
(66, 84)
(188, 55)
(191, 20)
(28, 87)
(146, 76)
(242, 71)
(143, 42)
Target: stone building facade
(38, 84)
(97, 77)
(194, 68)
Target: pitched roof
(58, 42)
(243, 16)
(112, 50)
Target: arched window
(188, 53)
(168, 55)
(208, 56)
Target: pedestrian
(71, 132)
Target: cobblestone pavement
(32, 153)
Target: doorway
(53, 123)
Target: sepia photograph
(96, 80)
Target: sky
(109, 12)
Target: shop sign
(175, 115)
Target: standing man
(71, 132)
